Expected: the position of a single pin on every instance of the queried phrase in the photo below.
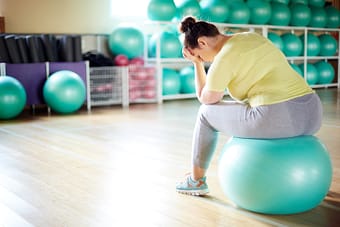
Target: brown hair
(193, 29)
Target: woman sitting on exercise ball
(271, 99)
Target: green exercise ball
(333, 17)
(325, 72)
(128, 41)
(12, 97)
(312, 73)
(275, 176)
(64, 91)
(328, 45)
(187, 77)
(260, 11)
(317, 3)
(276, 40)
(286, 2)
(300, 15)
(318, 18)
(171, 82)
(161, 10)
(296, 68)
(313, 44)
(305, 2)
(292, 45)
(280, 14)
(188, 8)
(239, 13)
(170, 45)
(214, 10)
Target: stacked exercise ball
(275, 176)
(12, 97)
(64, 91)
(320, 72)
(181, 81)
(170, 45)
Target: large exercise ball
(286, 2)
(296, 68)
(260, 11)
(280, 14)
(188, 8)
(128, 41)
(317, 3)
(276, 40)
(300, 15)
(64, 91)
(318, 17)
(239, 13)
(170, 45)
(292, 45)
(161, 10)
(275, 176)
(171, 82)
(187, 77)
(328, 45)
(333, 17)
(313, 44)
(325, 72)
(312, 73)
(214, 10)
(305, 2)
(12, 97)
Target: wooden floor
(119, 167)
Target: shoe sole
(193, 192)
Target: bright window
(129, 8)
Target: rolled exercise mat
(41, 49)
(4, 56)
(23, 49)
(66, 48)
(50, 45)
(33, 48)
(13, 49)
(77, 55)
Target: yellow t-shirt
(254, 70)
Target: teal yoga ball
(187, 77)
(325, 72)
(171, 82)
(333, 17)
(318, 18)
(188, 8)
(312, 73)
(317, 3)
(128, 41)
(292, 45)
(64, 91)
(260, 11)
(296, 68)
(275, 176)
(300, 14)
(328, 45)
(286, 2)
(161, 10)
(214, 10)
(239, 13)
(280, 14)
(276, 40)
(12, 97)
(170, 45)
(313, 44)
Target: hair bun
(187, 24)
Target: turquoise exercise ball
(296, 68)
(171, 82)
(318, 18)
(161, 10)
(187, 77)
(325, 72)
(260, 11)
(239, 13)
(300, 15)
(292, 45)
(312, 73)
(64, 91)
(313, 44)
(305, 2)
(317, 3)
(214, 10)
(286, 2)
(275, 176)
(188, 8)
(128, 41)
(12, 97)
(333, 17)
(170, 45)
(280, 14)
(276, 40)
(328, 45)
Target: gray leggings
(299, 116)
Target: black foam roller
(33, 48)
(23, 49)
(50, 46)
(66, 48)
(77, 55)
(12, 48)
(41, 49)
(4, 56)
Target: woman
(271, 99)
